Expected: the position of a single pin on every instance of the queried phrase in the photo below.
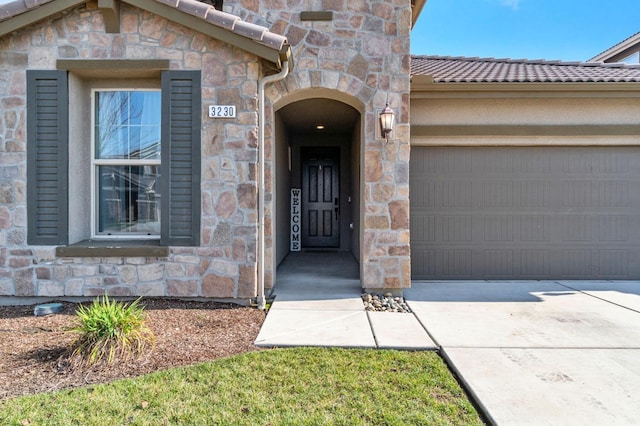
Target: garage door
(525, 213)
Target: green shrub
(110, 330)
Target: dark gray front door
(320, 197)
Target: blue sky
(570, 30)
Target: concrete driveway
(540, 352)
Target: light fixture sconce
(387, 119)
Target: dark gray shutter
(180, 169)
(47, 157)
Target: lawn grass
(302, 386)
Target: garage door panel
(539, 264)
(535, 263)
(498, 262)
(448, 263)
(613, 228)
(613, 262)
(535, 228)
(525, 213)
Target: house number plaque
(295, 219)
(222, 111)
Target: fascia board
(617, 50)
(36, 14)
(418, 5)
(208, 29)
(51, 8)
(422, 89)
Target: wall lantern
(387, 118)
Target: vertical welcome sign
(295, 219)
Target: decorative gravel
(384, 303)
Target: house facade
(524, 170)
(152, 147)
(179, 148)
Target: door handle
(337, 209)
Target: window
(126, 163)
(144, 162)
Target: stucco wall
(541, 110)
(548, 118)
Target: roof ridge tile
(222, 19)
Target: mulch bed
(187, 332)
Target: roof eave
(36, 14)
(619, 51)
(416, 8)
(260, 50)
(424, 86)
(268, 53)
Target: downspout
(261, 185)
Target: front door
(320, 197)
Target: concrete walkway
(542, 352)
(317, 303)
(529, 352)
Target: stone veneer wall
(364, 53)
(224, 265)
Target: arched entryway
(318, 152)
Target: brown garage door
(525, 213)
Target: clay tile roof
(228, 21)
(446, 69)
(196, 8)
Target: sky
(568, 30)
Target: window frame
(48, 155)
(96, 163)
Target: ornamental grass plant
(109, 330)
